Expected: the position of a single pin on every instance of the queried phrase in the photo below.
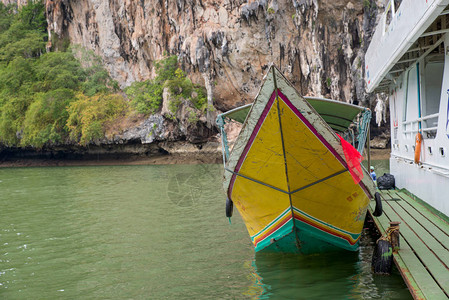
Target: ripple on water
(153, 232)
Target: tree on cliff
(37, 88)
(50, 98)
(146, 97)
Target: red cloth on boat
(353, 159)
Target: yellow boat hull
(289, 180)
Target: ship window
(388, 15)
(432, 77)
(410, 108)
(412, 96)
(442, 151)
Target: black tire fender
(229, 207)
(382, 260)
(378, 211)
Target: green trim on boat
(311, 239)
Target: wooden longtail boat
(294, 184)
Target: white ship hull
(408, 59)
(430, 185)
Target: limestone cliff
(226, 45)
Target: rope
(363, 128)
(224, 139)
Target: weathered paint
(288, 178)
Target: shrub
(166, 68)
(98, 79)
(24, 34)
(88, 115)
(6, 16)
(17, 78)
(26, 44)
(59, 70)
(32, 15)
(36, 88)
(45, 119)
(12, 114)
(99, 82)
(200, 101)
(181, 86)
(146, 96)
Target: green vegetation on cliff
(88, 115)
(50, 98)
(42, 93)
(146, 96)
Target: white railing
(433, 167)
(414, 124)
(418, 130)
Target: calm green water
(154, 232)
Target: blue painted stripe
(314, 235)
(286, 229)
(312, 239)
(419, 94)
(271, 223)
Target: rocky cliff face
(227, 45)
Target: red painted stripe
(320, 137)
(327, 231)
(250, 141)
(312, 128)
(264, 236)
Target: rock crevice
(319, 45)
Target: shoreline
(379, 154)
(133, 160)
(167, 159)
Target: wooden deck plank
(415, 275)
(439, 222)
(422, 233)
(423, 285)
(440, 235)
(390, 194)
(431, 262)
(426, 223)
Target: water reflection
(314, 276)
(154, 232)
(337, 275)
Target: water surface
(154, 232)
